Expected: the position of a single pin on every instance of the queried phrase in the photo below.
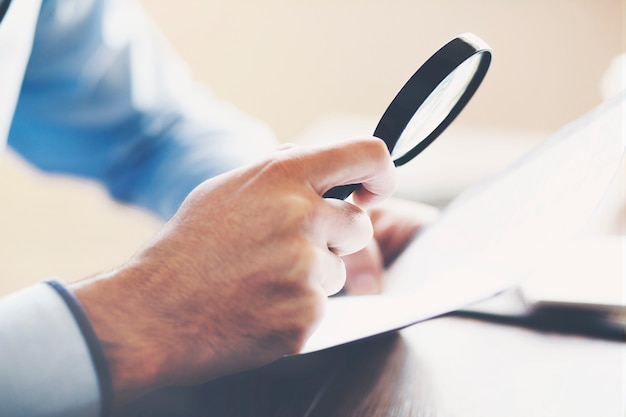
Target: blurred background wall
(291, 62)
(295, 64)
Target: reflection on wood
(375, 377)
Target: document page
(493, 235)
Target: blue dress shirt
(88, 87)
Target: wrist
(94, 347)
(115, 315)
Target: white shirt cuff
(47, 363)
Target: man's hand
(239, 276)
(395, 224)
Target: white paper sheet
(493, 235)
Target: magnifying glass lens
(436, 107)
(430, 101)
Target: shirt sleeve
(105, 97)
(51, 364)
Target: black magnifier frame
(423, 83)
(4, 6)
(418, 89)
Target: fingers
(396, 223)
(364, 270)
(342, 229)
(346, 227)
(332, 272)
(360, 161)
(338, 228)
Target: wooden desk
(444, 367)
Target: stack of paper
(494, 235)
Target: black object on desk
(588, 320)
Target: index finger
(358, 161)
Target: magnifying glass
(431, 99)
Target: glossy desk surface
(444, 367)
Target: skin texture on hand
(239, 276)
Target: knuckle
(358, 217)
(379, 146)
(293, 222)
(376, 147)
(286, 165)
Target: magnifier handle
(341, 192)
